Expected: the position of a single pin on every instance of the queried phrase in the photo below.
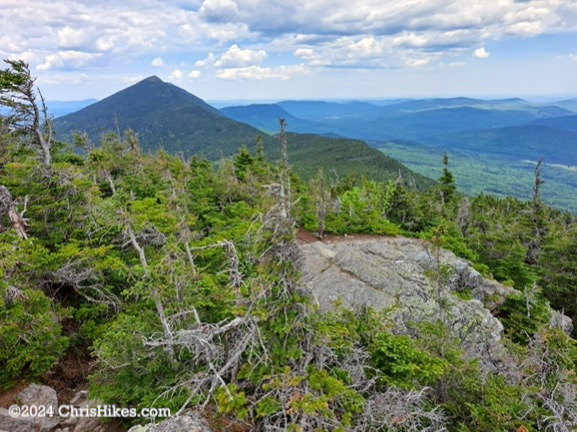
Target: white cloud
(194, 74)
(71, 38)
(67, 59)
(133, 79)
(105, 43)
(236, 57)
(260, 73)
(157, 63)
(206, 62)
(411, 40)
(365, 34)
(304, 52)
(526, 29)
(10, 43)
(417, 63)
(219, 10)
(480, 53)
(176, 75)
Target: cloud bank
(267, 39)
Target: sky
(298, 49)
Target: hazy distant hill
(410, 120)
(492, 139)
(166, 116)
(265, 117)
(521, 142)
(319, 111)
(569, 104)
(567, 123)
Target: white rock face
(401, 275)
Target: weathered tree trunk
(17, 220)
(154, 294)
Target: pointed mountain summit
(167, 117)
(164, 116)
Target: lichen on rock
(413, 281)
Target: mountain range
(167, 117)
(490, 142)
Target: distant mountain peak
(152, 79)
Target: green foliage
(501, 408)
(134, 251)
(363, 209)
(523, 315)
(447, 185)
(31, 338)
(402, 364)
(230, 401)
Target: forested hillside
(166, 117)
(179, 281)
(490, 141)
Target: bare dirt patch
(306, 237)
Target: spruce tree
(447, 181)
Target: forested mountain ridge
(167, 117)
(490, 140)
(164, 116)
(179, 281)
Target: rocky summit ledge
(415, 282)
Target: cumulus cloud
(527, 29)
(10, 43)
(176, 75)
(76, 34)
(236, 57)
(105, 43)
(304, 52)
(67, 59)
(219, 10)
(480, 53)
(206, 62)
(194, 74)
(233, 57)
(157, 62)
(71, 38)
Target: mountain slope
(164, 116)
(319, 111)
(265, 117)
(520, 142)
(410, 120)
(566, 123)
(308, 153)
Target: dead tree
(17, 220)
(18, 92)
(284, 171)
(129, 232)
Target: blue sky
(303, 49)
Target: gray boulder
(37, 395)
(415, 283)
